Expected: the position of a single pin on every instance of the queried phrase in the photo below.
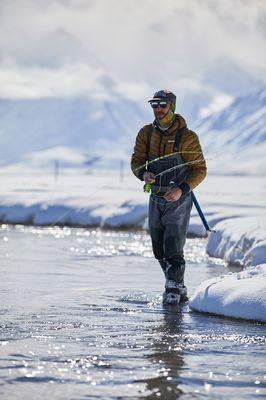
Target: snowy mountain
(228, 77)
(90, 125)
(235, 138)
(214, 87)
(98, 131)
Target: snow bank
(87, 197)
(128, 215)
(239, 295)
(239, 241)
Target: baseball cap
(164, 95)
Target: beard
(164, 118)
(160, 114)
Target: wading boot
(172, 293)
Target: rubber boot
(172, 293)
(175, 289)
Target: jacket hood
(181, 121)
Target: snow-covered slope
(214, 87)
(229, 77)
(87, 124)
(235, 139)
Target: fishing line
(162, 157)
(61, 217)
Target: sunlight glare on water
(82, 318)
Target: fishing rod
(147, 188)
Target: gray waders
(168, 221)
(168, 225)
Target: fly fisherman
(168, 158)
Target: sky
(62, 48)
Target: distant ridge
(237, 133)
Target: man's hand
(173, 194)
(148, 177)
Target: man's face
(161, 112)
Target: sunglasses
(155, 104)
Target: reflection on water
(82, 318)
(168, 357)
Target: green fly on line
(162, 157)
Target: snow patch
(239, 241)
(239, 295)
(219, 102)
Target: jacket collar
(179, 122)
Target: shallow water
(81, 318)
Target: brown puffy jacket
(162, 143)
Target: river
(82, 318)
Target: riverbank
(234, 208)
(107, 199)
(232, 205)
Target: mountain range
(235, 138)
(225, 106)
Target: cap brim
(156, 99)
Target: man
(168, 157)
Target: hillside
(235, 139)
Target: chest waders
(168, 221)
